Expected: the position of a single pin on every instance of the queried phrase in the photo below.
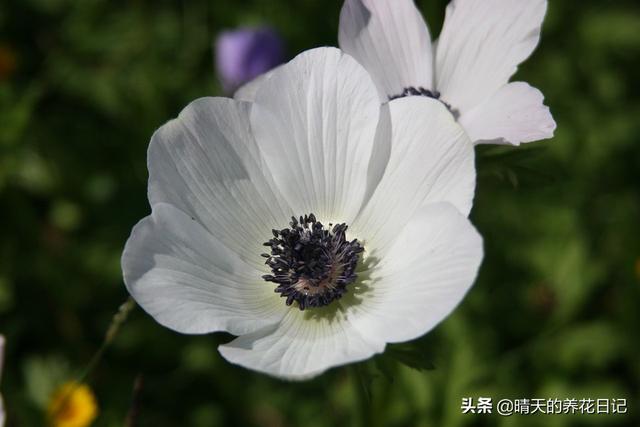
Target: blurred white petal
(391, 40)
(513, 115)
(481, 45)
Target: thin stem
(134, 410)
(363, 395)
(118, 320)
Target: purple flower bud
(243, 54)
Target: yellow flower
(72, 405)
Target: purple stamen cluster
(312, 265)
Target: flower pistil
(311, 264)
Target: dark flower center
(311, 264)
(420, 91)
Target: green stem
(118, 320)
(363, 395)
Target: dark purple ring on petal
(421, 91)
(311, 264)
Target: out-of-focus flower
(244, 54)
(468, 68)
(2, 415)
(8, 62)
(637, 269)
(379, 248)
(72, 405)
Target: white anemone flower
(479, 49)
(379, 249)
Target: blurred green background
(554, 313)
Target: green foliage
(553, 313)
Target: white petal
(190, 282)
(423, 277)
(247, 92)
(432, 160)
(304, 345)
(514, 114)
(481, 45)
(207, 164)
(315, 121)
(381, 151)
(391, 40)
